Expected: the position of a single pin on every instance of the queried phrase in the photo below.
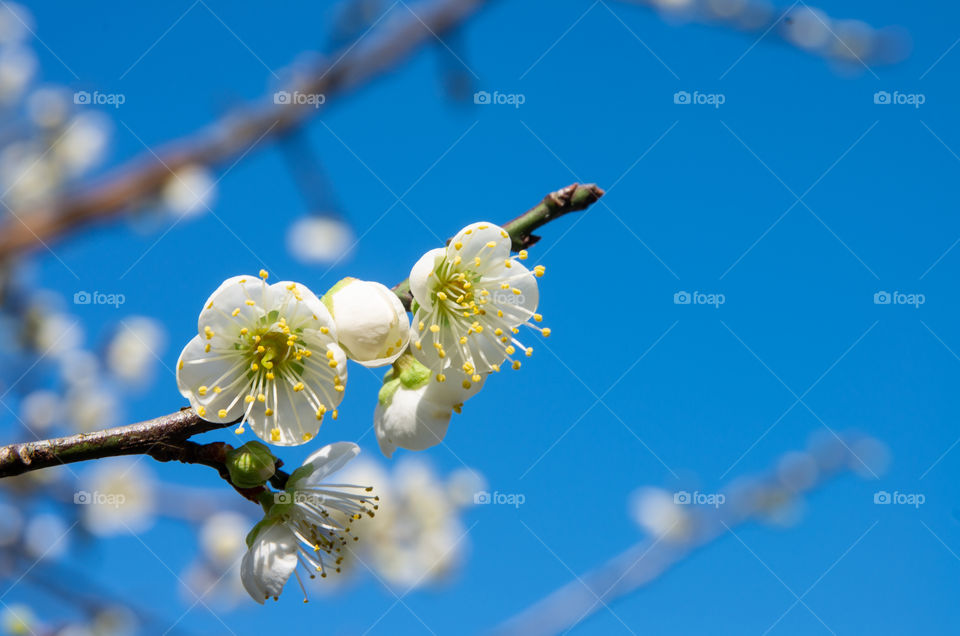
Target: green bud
(406, 372)
(251, 465)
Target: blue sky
(798, 199)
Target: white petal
(327, 461)
(411, 421)
(516, 308)
(421, 276)
(452, 393)
(233, 294)
(300, 307)
(475, 240)
(269, 562)
(196, 369)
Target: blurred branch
(234, 134)
(166, 438)
(573, 198)
(644, 562)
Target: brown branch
(143, 178)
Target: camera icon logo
(681, 298)
(282, 498)
(81, 97)
(481, 97)
(82, 298)
(882, 298)
(281, 97)
(881, 97)
(681, 97)
(881, 497)
(481, 497)
(81, 497)
(681, 497)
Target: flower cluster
(275, 357)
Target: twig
(165, 438)
(142, 178)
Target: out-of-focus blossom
(17, 66)
(417, 537)
(133, 351)
(19, 620)
(11, 524)
(48, 107)
(46, 536)
(658, 512)
(41, 410)
(117, 497)
(82, 143)
(15, 23)
(190, 191)
(91, 408)
(320, 239)
(222, 538)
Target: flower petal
(410, 421)
(198, 372)
(269, 562)
(323, 463)
(485, 240)
(422, 275)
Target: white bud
(372, 325)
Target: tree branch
(165, 438)
(234, 134)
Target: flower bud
(372, 325)
(251, 465)
(413, 409)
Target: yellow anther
(529, 351)
(546, 332)
(335, 414)
(261, 349)
(434, 328)
(441, 296)
(324, 330)
(270, 375)
(466, 384)
(538, 317)
(510, 350)
(208, 332)
(329, 355)
(263, 274)
(268, 412)
(332, 364)
(298, 386)
(261, 398)
(476, 377)
(307, 437)
(504, 285)
(244, 331)
(222, 413)
(516, 364)
(457, 245)
(539, 270)
(275, 435)
(491, 244)
(421, 326)
(441, 377)
(201, 411)
(463, 340)
(516, 292)
(202, 390)
(235, 312)
(522, 255)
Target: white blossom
(267, 355)
(308, 524)
(471, 298)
